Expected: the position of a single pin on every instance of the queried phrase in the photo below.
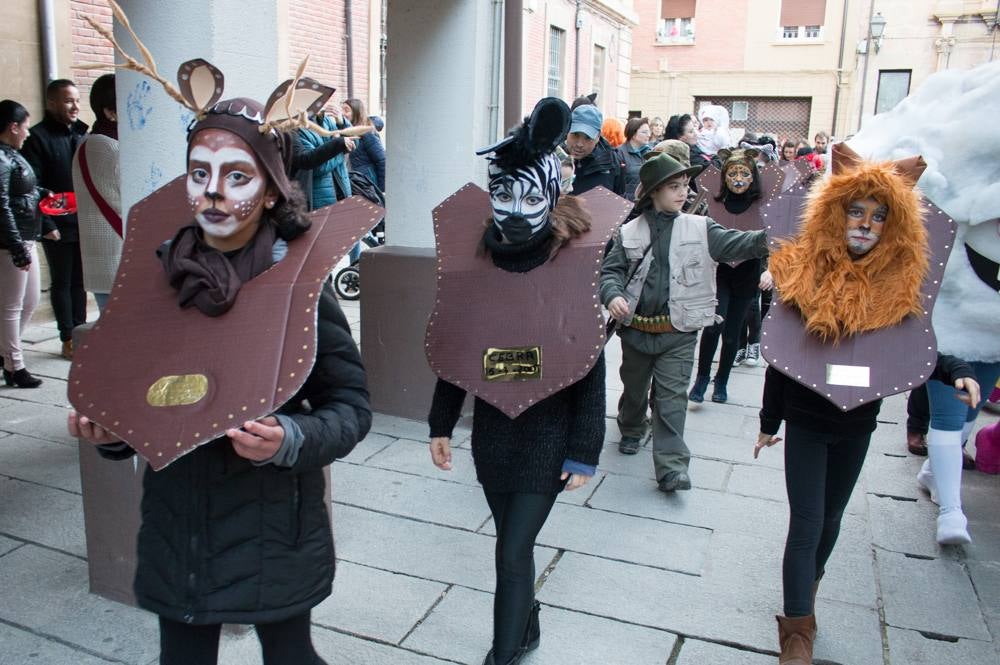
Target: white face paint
(521, 199)
(226, 185)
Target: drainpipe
(840, 69)
(576, 56)
(349, 38)
(496, 53)
(383, 47)
(46, 16)
(512, 58)
(868, 56)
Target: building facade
(795, 67)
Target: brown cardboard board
(253, 358)
(866, 367)
(554, 307)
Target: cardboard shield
(167, 380)
(711, 180)
(869, 366)
(792, 173)
(513, 339)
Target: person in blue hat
(596, 162)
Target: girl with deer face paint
(227, 187)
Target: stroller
(347, 281)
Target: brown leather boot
(67, 349)
(796, 636)
(916, 443)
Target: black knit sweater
(527, 453)
(787, 399)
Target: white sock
(944, 450)
(967, 430)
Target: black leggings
(286, 642)
(69, 300)
(733, 309)
(750, 333)
(821, 470)
(518, 519)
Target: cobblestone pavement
(628, 575)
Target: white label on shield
(848, 375)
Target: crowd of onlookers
(60, 188)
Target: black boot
(515, 659)
(22, 378)
(533, 632)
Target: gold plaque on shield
(509, 364)
(177, 390)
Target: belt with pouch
(652, 324)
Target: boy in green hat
(658, 283)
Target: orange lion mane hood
(836, 295)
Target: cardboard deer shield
(711, 180)
(868, 366)
(167, 380)
(513, 339)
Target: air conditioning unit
(741, 111)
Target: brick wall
(89, 46)
(318, 29)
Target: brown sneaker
(67, 349)
(916, 443)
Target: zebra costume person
(517, 323)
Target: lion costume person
(853, 283)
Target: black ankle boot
(533, 632)
(22, 378)
(514, 660)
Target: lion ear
(201, 83)
(308, 95)
(844, 159)
(752, 153)
(910, 169)
(724, 154)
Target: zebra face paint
(522, 199)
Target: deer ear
(844, 159)
(308, 95)
(201, 83)
(910, 169)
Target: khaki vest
(692, 299)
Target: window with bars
(676, 22)
(597, 84)
(557, 50)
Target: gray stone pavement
(627, 575)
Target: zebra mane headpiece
(527, 152)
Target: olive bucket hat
(658, 170)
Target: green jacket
(723, 245)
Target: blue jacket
(369, 158)
(323, 176)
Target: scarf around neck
(209, 279)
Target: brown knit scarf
(836, 295)
(209, 279)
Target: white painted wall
(438, 109)
(237, 36)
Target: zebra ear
(548, 124)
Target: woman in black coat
(237, 530)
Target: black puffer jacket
(49, 149)
(19, 218)
(224, 541)
(602, 167)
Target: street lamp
(876, 28)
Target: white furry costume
(950, 122)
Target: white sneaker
(753, 355)
(952, 528)
(925, 478)
(741, 355)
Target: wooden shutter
(677, 8)
(802, 12)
